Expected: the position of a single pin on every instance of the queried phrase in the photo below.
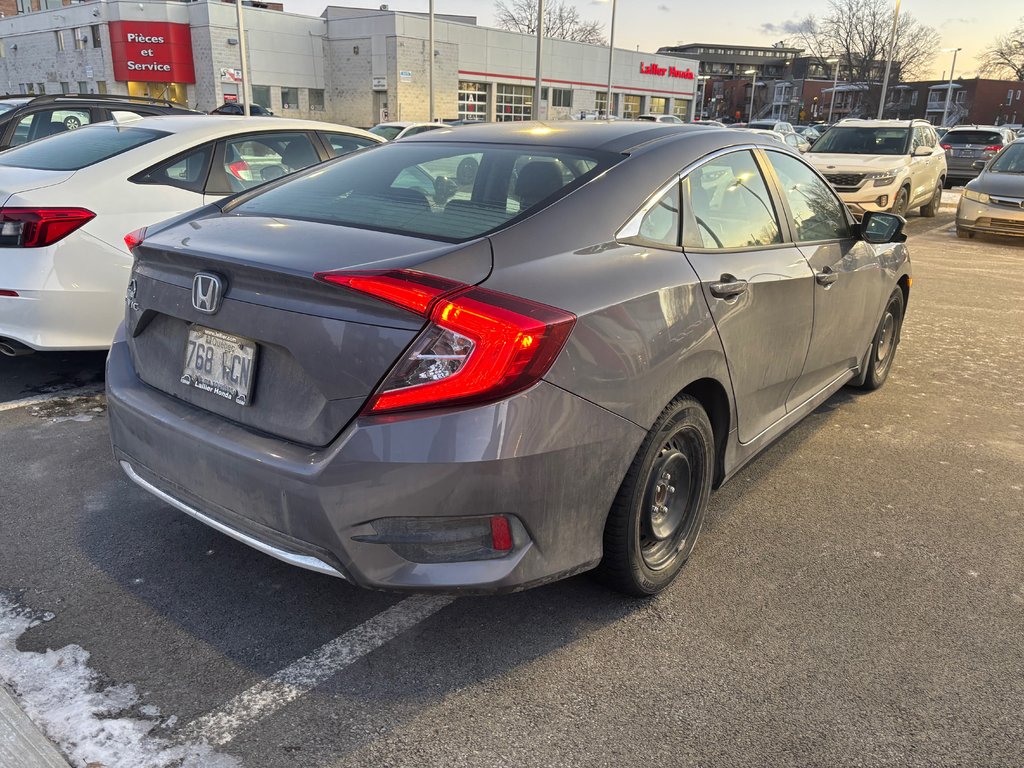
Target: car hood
(855, 163)
(16, 180)
(1009, 184)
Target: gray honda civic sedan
(483, 359)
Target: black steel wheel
(883, 346)
(656, 518)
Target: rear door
(848, 280)
(757, 284)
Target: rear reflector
(501, 534)
(134, 239)
(39, 227)
(480, 345)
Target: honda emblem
(207, 292)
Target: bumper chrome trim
(302, 561)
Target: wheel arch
(714, 399)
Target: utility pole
(540, 45)
(611, 56)
(430, 69)
(245, 98)
(888, 60)
(949, 88)
(835, 84)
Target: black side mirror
(979, 165)
(880, 228)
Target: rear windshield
(960, 138)
(863, 141)
(386, 131)
(768, 125)
(73, 150)
(438, 190)
(1010, 161)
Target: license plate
(220, 363)
(965, 153)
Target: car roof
(599, 135)
(851, 122)
(406, 124)
(198, 127)
(977, 128)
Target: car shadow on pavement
(44, 373)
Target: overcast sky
(654, 23)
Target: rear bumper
(545, 457)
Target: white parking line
(282, 688)
(68, 394)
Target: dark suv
(27, 118)
(234, 108)
(967, 144)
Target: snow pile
(60, 694)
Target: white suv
(883, 165)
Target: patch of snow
(63, 696)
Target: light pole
(611, 55)
(702, 84)
(540, 45)
(835, 84)
(246, 108)
(888, 60)
(753, 86)
(430, 69)
(949, 88)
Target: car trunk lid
(321, 350)
(15, 181)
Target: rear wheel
(656, 518)
(932, 206)
(883, 346)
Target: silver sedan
(994, 202)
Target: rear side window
(343, 143)
(252, 160)
(961, 138)
(77, 149)
(439, 190)
(187, 171)
(729, 205)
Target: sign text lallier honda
(152, 51)
(654, 69)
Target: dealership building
(350, 65)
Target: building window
(80, 39)
(97, 41)
(630, 106)
(513, 102)
(28, 89)
(41, 87)
(83, 86)
(316, 99)
(561, 97)
(65, 87)
(913, 98)
(261, 95)
(289, 98)
(601, 103)
(472, 101)
(658, 105)
(24, 6)
(101, 86)
(60, 39)
(1009, 97)
(681, 109)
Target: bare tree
(1006, 54)
(560, 20)
(857, 32)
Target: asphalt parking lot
(856, 597)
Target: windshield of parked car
(961, 138)
(1010, 160)
(6, 106)
(388, 132)
(73, 150)
(863, 141)
(438, 190)
(765, 125)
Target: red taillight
(4, 292)
(480, 345)
(239, 167)
(994, 148)
(946, 146)
(501, 534)
(38, 227)
(134, 239)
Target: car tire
(931, 208)
(901, 203)
(658, 512)
(884, 343)
(72, 123)
(964, 234)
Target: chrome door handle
(826, 277)
(728, 287)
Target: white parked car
(399, 130)
(69, 200)
(661, 119)
(883, 165)
(779, 126)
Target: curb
(22, 744)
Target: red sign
(654, 69)
(152, 51)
